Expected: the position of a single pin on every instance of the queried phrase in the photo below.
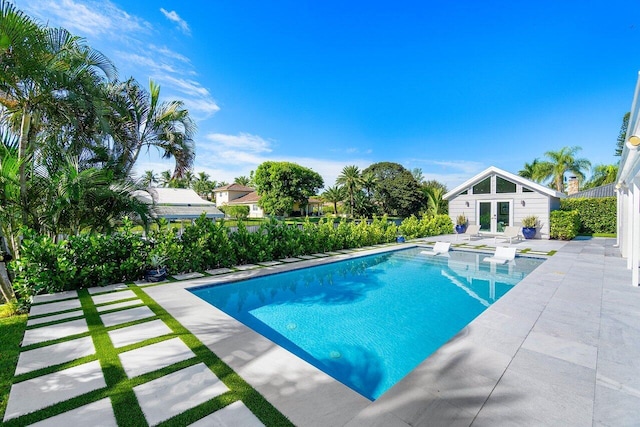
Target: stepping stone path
(68, 343)
(217, 271)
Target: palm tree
(602, 175)
(242, 180)
(434, 199)
(561, 162)
(149, 123)
(334, 195)
(350, 179)
(165, 178)
(149, 179)
(202, 185)
(46, 70)
(368, 181)
(531, 171)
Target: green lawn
(11, 331)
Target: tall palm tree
(150, 123)
(43, 70)
(531, 171)
(242, 180)
(602, 175)
(561, 162)
(368, 181)
(350, 179)
(165, 178)
(149, 179)
(202, 185)
(334, 195)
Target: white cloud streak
(174, 17)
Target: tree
(148, 179)
(602, 175)
(281, 184)
(334, 195)
(433, 192)
(396, 192)
(165, 178)
(417, 175)
(531, 171)
(149, 123)
(349, 178)
(202, 185)
(561, 162)
(622, 135)
(242, 180)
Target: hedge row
(596, 215)
(92, 260)
(565, 225)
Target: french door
(494, 215)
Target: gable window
(504, 186)
(483, 187)
(527, 190)
(464, 192)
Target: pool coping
(461, 383)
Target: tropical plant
(602, 175)
(148, 179)
(335, 195)
(350, 179)
(561, 162)
(396, 191)
(461, 220)
(242, 180)
(531, 171)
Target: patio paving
(112, 297)
(561, 348)
(118, 305)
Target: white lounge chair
(510, 232)
(439, 248)
(472, 231)
(502, 255)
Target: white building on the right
(628, 192)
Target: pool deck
(561, 348)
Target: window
(504, 186)
(527, 190)
(483, 187)
(255, 207)
(464, 192)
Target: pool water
(369, 321)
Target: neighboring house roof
(233, 187)
(246, 199)
(177, 203)
(508, 175)
(607, 190)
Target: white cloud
(243, 142)
(189, 87)
(163, 50)
(173, 16)
(89, 17)
(146, 61)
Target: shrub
(597, 215)
(238, 212)
(564, 224)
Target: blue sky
(448, 87)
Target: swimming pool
(369, 321)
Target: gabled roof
(607, 190)
(233, 187)
(177, 203)
(246, 199)
(508, 175)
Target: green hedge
(597, 215)
(90, 260)
(565, 225)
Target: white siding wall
(534, 204)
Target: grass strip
(240, 389)
(11, 332)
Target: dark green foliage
(282, 184)
(238, 212)
(622, 135)
(396, 191)
(597, 215)
(90, 260)
(564, 224)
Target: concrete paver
(118, 305)
(54, 297)
(245, 267)
(108, 288)
(216, 271)
(40, 392)
(113, 296)
(236, 414)
(54, 354)
(46, 319)
(96, 414)
(137, 333)
(173, 394)
(53, 332)
(155, 356)
(124, 316)
(54, 307)
(187, 276)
